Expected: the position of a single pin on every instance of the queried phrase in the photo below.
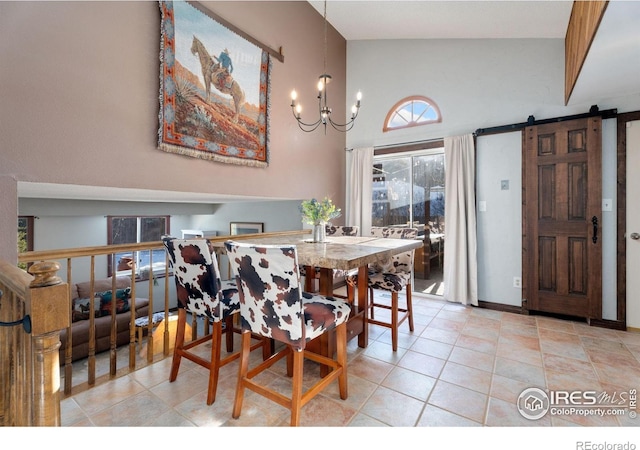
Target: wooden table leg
(326, 282)
(363, 290)
(308, 278)
(326, 342)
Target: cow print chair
(391, 277)
(273, 305)
(201, 292)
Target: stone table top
(340, 252)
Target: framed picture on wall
(246, 227)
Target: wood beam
(583, 25)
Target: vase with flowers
(318, 213)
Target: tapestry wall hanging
(214, 89)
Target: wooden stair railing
(157, 302)
(33, 311)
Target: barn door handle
(594, 221)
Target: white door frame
(633, 226)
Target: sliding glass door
(408, 190)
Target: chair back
(337, 230)
(197, 276)
(402, 262)
(270, 293)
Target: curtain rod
(593, 111)
(403, 144)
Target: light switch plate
(607, 204)
(482, 206)
(504, 185)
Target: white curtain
(359, 189)
(460, 269)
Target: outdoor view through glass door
(408, 190)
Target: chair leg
(371, 304)
(177, 350)
(268, 348)
(341, 357)
(242, 373)
(290, 363)
(228, 323)
(394, 320)
(214, 368)
(410, 306)
(296, 392)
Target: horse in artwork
(214, 73)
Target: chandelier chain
(325, 38)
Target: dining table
(348, 253)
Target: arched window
(412, 112)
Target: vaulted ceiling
(612, 66)
(431, 19)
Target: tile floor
(461, 367)
(432, 285)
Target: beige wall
(8, 219)
(79, 88)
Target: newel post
(48, 303)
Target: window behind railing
(135, 229)
(25, 236)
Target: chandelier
(323, 107)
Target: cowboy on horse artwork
(217, 71)
(214, 88)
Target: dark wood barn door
(562, 245)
